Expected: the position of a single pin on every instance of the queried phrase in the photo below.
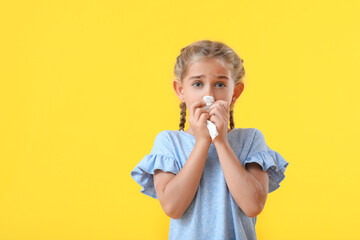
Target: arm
(176, 191)
(248, 186)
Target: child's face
(216, 81)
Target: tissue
(211, 126)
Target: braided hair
(182, 116)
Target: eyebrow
(200, 76)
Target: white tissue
(211, 126)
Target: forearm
(180, 190)
(246, 190)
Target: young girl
(211, 188)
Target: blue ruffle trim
(272, 161)
(144, 170)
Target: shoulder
(168, 141)
(258, 137)
(168, 135)
(252, 133)
(162, 144)
(163, 138)
(258, 140)
(163, 135)
(245, 134)
(247, 140)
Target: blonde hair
(209, 49)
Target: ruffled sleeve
(161, 157)
(268, 159)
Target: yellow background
(86, 86)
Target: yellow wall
(85, 86)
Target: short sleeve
(268, 159)
(161, 157)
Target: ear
(238, 89)
(179, 90)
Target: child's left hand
(219, 115)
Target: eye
(221, 84)
(197, 84)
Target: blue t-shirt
(213, 213)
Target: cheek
(192, 96)
(223, 96)
(189, 100)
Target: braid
(232, 125)
(182, 116)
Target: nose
(209, 91)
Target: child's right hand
(197, 121)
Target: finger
(198, 113)
(223, 104)
(216, 120)
(221, 115)
(217, 104)
(196, 105)
(218, 110)
(205, 116)
(214, 111)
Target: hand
(197, 121)
(219, 115)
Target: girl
(210, 188)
